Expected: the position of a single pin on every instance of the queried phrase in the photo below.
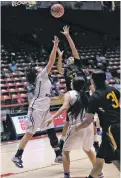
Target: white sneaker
(58, 159)
(18, 161)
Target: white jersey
(42, 94)
(74, 96)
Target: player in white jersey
(39, 109)
(75, 103)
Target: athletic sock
(19, 152)
(57, 151)
(66, 174)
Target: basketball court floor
(39, 162)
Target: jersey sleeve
(92, 104)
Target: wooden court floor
(39, 162)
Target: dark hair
(31, 74)
(99, 78)
(82, 101)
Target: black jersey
(72, 71)
(105, 102)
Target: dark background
(19, 24)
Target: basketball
(57, 10)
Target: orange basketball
(57, 10)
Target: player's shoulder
(94, 97)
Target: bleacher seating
(13, 91)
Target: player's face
(70, 60)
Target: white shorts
(83, 139)
(36, 119)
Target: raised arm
(70, 41)
(52, 55)
(60, 59)
(63, 108)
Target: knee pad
(53, 138)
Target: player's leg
(66, 164)
(55, 144)
(97, 168)
(87, 145)
(69, 143)
(91, 156)
(64, 132)
(18, 156)
(88, 134)
(106, 152)
(115, 130)
(96, 143)
(32, 123)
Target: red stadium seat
(20, 89)
(12, 90)
(14, 99)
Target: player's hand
(65, 30)
(48, 122)
(60, 53)
(56, 41)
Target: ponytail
(80, 105)
(82, 101)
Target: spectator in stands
(115, 77)
(13, 66)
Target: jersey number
(114, 99)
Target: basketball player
(72, 69)
(104, 101)
(75, 103)
(39, 109)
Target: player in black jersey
(105, 102)
(72, 69)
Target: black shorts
(110, 146)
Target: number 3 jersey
(105, 102)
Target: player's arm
(64, 107)
(70, 41)
(60, 59)
(92, 108)
(52, 55)
(92, 88)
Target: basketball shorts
(36, 119)
(83, 139)
(110, 146)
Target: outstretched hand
(48, 122)
(56, 41)
(60, 53)
(65, 30)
